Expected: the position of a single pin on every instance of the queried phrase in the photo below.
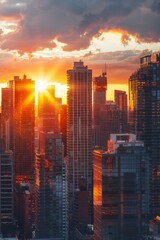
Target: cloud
(77, 22)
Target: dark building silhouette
(24, 210)
(79, 135)
(121, 189)
(144, 117)
(120, 98)
(99, 100)
(109, 119)
(18, 114)
(7, 117)
(48, 110)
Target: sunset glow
(80, 94)
(41, 86)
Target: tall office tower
(7, 222)
(7, 117)
(24, 122)
(79, 134)
(24, 214)
(109, 119)
(121, 189)
(120, 98)
(63, 126)
(48, 110)
(99, 100)
(51, 198)
(144, 117)
(18, 114)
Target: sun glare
(41, 86)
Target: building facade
(120, 98)
(79, 133)
(99, 100)
(109, 119)
(121, 189)
(18, 114)
(7, 221)
(51, 197)
(144, 115)
(48, 110)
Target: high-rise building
(63, 126)
(109, 119)
(99, 100)
(24, 122)
(7, 221)
(7, 117)
(144, 117)
(121, 189)
(50, 197)
(79, 134)
(18, 114)
(48, 110)
(120, 98)
(24, 210)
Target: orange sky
(42, 39)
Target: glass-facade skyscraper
(120, 98)
(79, 133)
(144, 117)
(18, 114)
(99, 100)
(121, 189)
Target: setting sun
(41, 86)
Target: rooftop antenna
(104, 73)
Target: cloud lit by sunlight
(107, 42)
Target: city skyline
(61, 189)
(40, 38)
(80, 119)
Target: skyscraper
(51, 198)
(120, 98)
(109, 120)
(7, 117)
(48, 110)
(79, 132)
(18, 114)
(144, 117)
(99, 100)
(121, 189)
(7, 221)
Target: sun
(41, 86)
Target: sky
(42, 38)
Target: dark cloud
(156, 6)
(76, 22)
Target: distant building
(121, 189)
(79, 134)
(120, 98)
(144, 117)
(109, 119)
(48, 110)
(99, 100)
